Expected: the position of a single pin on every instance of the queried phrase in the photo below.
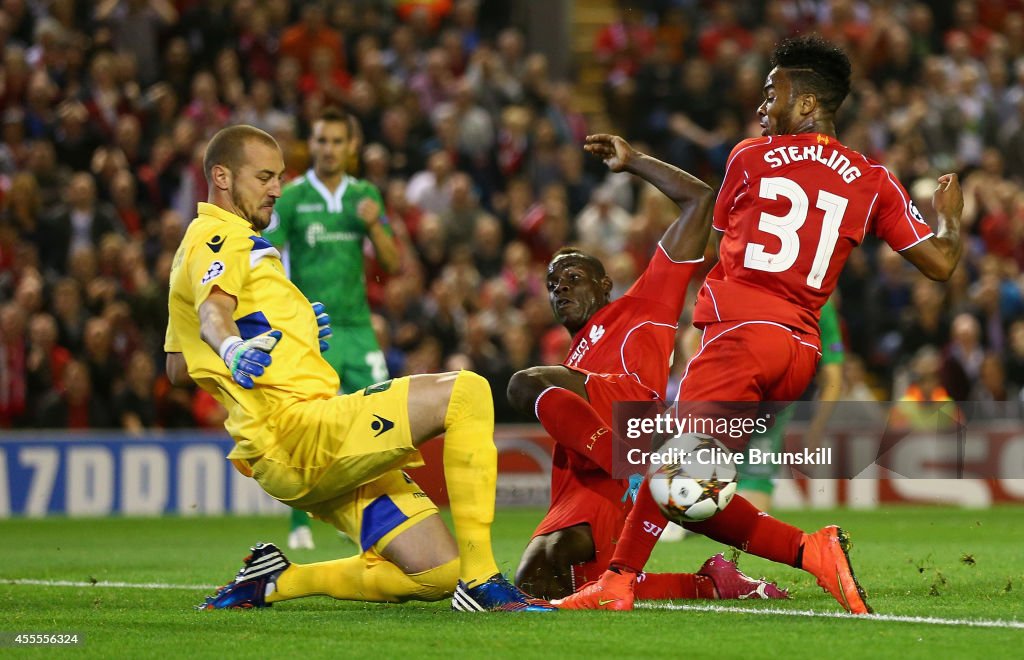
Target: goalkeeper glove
(248, 358)
(323, 324)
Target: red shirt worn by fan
(791, 209)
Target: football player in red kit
(620, 351)
(792, 206)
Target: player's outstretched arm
(245, 358)
(938, 256)
(686, 238)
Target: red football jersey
(635, 334)
(791, 209)
(632, 335)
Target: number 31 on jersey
(785, 228)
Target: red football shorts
(749, 361)
(586, 497)
(581, 493)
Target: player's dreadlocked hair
(576, 253)
(816, 67)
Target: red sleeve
(736, 177)
(664, 281)
(896, 219)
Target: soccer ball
(694, 480)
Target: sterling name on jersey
(324, 237)
(790, 210)
(222, 250)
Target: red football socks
(574, 424)
(672, 586)
(751, 530)
(643, 527)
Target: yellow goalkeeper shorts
(376, 512)
(326, 448)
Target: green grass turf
(930, 562)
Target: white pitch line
(896, 618)
(103, 583)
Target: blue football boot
(496, 595)
(253, 583)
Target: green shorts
(357, 358)
(759, 477)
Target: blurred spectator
(992, 392)
(325, 76)
(487, 246)
(602, 224)
(925, 322)
(135, 405)
(964, 356)
(312, 32)
(23, 208)
(13, 368)
(621, 47)
(78, 223)
(205, 109)
(104, 371)
(76, 406)
(464, 212)
(136, 27)
(431, 189)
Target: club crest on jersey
(215, 270)
(823, 139)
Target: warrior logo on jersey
(596, 332)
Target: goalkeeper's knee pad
(471, 398)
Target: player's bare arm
(177, 369)
(384, 245)
(938, 257)
(687, 237)
(215, 318)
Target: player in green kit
(323, 219)
(755, 481)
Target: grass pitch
(929, 574)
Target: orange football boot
(612, 591)
(827, 557)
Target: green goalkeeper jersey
(325, 240)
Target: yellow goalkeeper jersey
(223, 250)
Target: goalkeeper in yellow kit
(246, 334)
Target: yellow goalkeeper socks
(365, 578)
(471, 473)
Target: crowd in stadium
(476, 147)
